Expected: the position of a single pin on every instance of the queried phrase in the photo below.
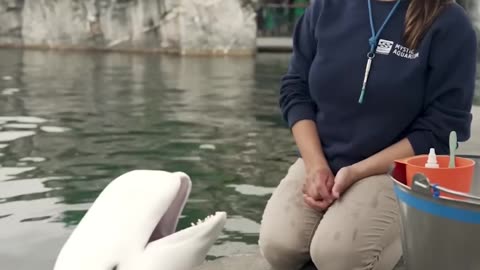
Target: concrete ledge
(263, 45)
(252, 262)
(472, 147)
(274, 44)
(244, 262)
(233, 52)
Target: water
(72, 122)
(78, 120)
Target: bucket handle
(423, 185)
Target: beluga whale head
(132, 226)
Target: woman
(370, 81)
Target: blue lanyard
(373, 41)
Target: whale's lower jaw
(183, 250)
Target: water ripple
(21, 126)
(252, 190)
(22, 119)
(9, 136)
(8, 173)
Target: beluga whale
(132, 225)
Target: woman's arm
(448, 101)
(295, 101)
(308, 142)
(450, 87)
(375, 165)
(381, 162)
(299, 109)
(320, 179)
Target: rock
(11, 22)
(185, 27)
(217, 26)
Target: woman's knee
(284, 246)
(281, 253)
(286, 225)
(356, 230)
(334, 257)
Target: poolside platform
(256, 262)
(252, 262)
(274, 44)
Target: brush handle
(453, 148)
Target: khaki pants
(359, 232)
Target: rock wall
(180, 26)
(218, 25)
(11, 22)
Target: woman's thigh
(288, 223)
(361, 231)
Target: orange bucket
(457, 179)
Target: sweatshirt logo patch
(387, 47)
(384, 46)
(405, 52)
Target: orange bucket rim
(471, 162)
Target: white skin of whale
(132, 223)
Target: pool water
(72, 122)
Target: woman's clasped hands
(322, 188)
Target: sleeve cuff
(420, 142)
(301, 111)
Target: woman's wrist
(316, 162)
(309, 144)
(360, 171)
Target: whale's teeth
(192, 224)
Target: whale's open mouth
(169, 220)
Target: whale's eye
(115, 267)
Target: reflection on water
(75, 121)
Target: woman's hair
(420, 16)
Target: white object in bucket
(432, 159)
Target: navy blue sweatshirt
(420, 94)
